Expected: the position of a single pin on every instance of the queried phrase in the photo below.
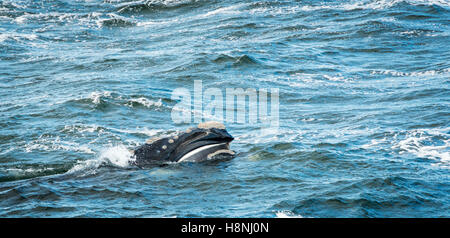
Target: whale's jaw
(208, 152)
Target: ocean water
(364, 107)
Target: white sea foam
(146, 102)
(117, 156)
(412, 74)
(223, 10)
(374, 143)
(80, 128)
(426, 143)
(348, 6)
(97, 96)
(337, 78)
(113, 19)
(90, 19)
(24, 171)
(159, 22)
(287, 214)
(306, 80)
(42, 16)
(373, 4)
(47, 143)
(19, 37)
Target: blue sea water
(364, 106)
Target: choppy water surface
(364, 107)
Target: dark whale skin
(172, 149)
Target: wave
(114, 20)
(91, 19)
(53, 17)
(96, 97)
(28, 171)
(375, 5)
(231, 10)
(101, 99)
(154, 5)
(279, 8)
(242, 60)
(80, 128)
(144, 102)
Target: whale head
(208, 140)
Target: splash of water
(116, 156)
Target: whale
(208, 141)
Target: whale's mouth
(200, 145)
(208, 152)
